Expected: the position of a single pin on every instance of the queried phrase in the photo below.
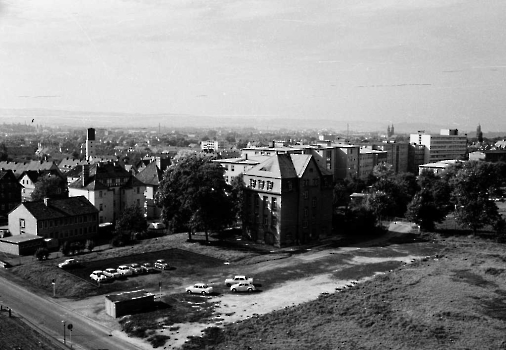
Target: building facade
(288, 200)
(63, 219)
(110, 188)
(445, 146)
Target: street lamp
(63, 331)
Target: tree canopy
(193, 194)
(49, 186)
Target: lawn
(454, 301)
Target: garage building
(117, 305)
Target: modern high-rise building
(445, 146)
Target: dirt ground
(281, 283)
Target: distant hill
(95, 119)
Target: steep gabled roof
(92, 185)
(150, 175)
(278, 166)
(60, 208)
(19, 167)
(35, 175)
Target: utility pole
(160, 286)
(54, 287)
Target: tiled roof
(92, 185)
(60, 208)
(19, 167)
(150, 175)
(277, 166)
(34, 175)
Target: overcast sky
(438, 61)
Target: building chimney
(46, 201)
(159, 162)
(85, 174)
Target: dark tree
(49, 186)
(473, 186)
(132, 220)
(237, 196)
(193, 194)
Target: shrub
(41, 253)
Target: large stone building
(445, 146)
(288, 200)
(109, 187)
(72, 218)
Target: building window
(270, 185)
(316, 182)
(22, 223)
(306, 212)
(274, 220)
(252, 183)
(305, 182)
(138, 202)
(261, 184)
(138, 190)
(290, 186)
(100, 194)
(313, 202)
(304, 224)
(101, 207)
(264, 202)
(266, 220)
(305, 194)
(232, 167)
(274, 204)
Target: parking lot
(281, 283)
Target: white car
(112, 273)
(242, 287)
(157, 226)
(98, 276)
(136, 269)
(124, 270)
(238, 279)
(148, 267)
(68, 263)
(199, 288)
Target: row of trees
(465, 189)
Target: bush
(41, 253)
(65, 248)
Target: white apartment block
(445, 146)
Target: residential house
(150, 176)
(288, 200)
(236, 166)
(73, 218)
(109, 187)
(19, 168)
(29, 178)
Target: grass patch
(175, 308)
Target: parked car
(68, 263)
(161, 264)
(199, 288)
(242, 287)
(148, 267)
(112, 273)
(125, 270)
(98, 276)
(238, 279)
(156, 226)
(136, 269)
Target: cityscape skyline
(351, 63)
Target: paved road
(48, 316)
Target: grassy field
(12, 327)
(454, 301)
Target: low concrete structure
(117, 305)
(21, 244)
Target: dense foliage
(193, 194)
